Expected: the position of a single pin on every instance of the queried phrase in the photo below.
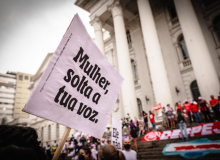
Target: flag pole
(61, 143)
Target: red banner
(202, 129)
(157, 107)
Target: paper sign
(157, 107)
(116, 134)
(79, 87)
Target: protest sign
(116, 134)
(157, 107)
(79, 87)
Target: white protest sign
(117, 134)
(79, 87)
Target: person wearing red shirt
(151, 116)
(215, 106)
(194, 109)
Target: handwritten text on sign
(79, 87)
(117, 134)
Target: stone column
(203, 66)
(124, 62)
(155, 58)
(97, 24)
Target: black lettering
(107, 83)
(98, 75)
(96, 98)
(92, 118)
(61, 90)
(90, 68)
(80, 84)
(73, 105)
(89, 90)
(82, 58)
(93, 71)
(73, 83)
(67, 100)
(85, 112)
(102, 80)
(68, 78)
(80, 110)
(84, 85)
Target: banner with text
(157, 107)
(79, 87)
(202, 129)
(116, 134)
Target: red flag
(157, 107)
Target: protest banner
(202, 129)
(79, 87)
(157, 107)
(116, 138)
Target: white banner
(116, 134)
(79, 87)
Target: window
(139, 106)
(20, 77)
(49, 132)
(182, 45)
(195, 90)
(128, 36)
(216, 24)
(134, 69)
(26, 77)
(57, 131)
(172, 10)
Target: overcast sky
(29, 29)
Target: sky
(30, 29)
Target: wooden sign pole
(61, 143)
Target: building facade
(166, 51)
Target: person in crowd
(108, 135)
(165, 118)
(128, 152)
(64, 151)
(127, 121)
(48, 151)
(194, 109)
(85, 154)
(54, 147)
(151, 116)
(123, 122)
(215, 107)
(187, 105)
(141, 129)
(170, 116)
(83, 140)
(94, 151)
(186, 115)
(110, 152)
(76, 150)
(182, 125)
(20, 143)
(129, 117)
(145, 120)
(125, 131)
(203, 106)
(72, 138)
(136, 123)
(133, 133)
(70, 146)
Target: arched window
(195, 90)
(134, 69)
(57, 130)
(182, 45)
(49, 132)
(216, 24)
(139, 105)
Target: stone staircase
(152, 150)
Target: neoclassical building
(166, 51)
